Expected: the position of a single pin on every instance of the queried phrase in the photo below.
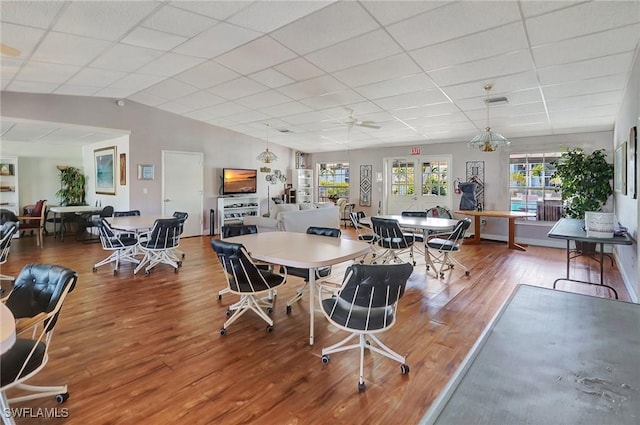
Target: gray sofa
(290, 218)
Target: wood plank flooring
(146, 349)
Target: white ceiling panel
(46, 72)
(388, 12)
(592, 68)
(25, 39)
(299, 69)
(123, 57)
(179, 21)
(68, 49)
(201, 99)
(271, 78)
(137, 82)
(30, 13)
(256, 55)
(31, 87)
(408, 84)
(171, 89)
(409, 100)
(240, 87)
(269, 16)
(170, 64)
(217, 40)
(152, 39)
(207, 74)
(263, 99)
(95, 77)
(76, 90)
(593, 85)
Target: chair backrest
(324, 231)
(41, 288)
(241, 273)
(389, 232)
(8, 230)
(40, 209)
(460, 229)
(440, 212)
(422, 214)
(110, 239)
(107, 211)
(165, 234)
(131, 213)
(182, 216)
(355, 218)
(231, 230)
(373, 287)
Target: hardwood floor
(146, 349)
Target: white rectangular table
(301, 250)
(77, 209)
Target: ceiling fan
(350, 121)
(8, 50)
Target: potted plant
(584, 181)
(72, 183)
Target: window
(531, 188)
(333, 181)
(434, 178)
(402, 178)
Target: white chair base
(442, 262)
(249, 302)
(153, 258)
(119, 256)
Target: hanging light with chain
(267, 156)
(488, 141)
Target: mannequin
(468, 200)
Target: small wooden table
(511, 215)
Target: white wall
(119, 201)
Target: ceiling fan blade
(367, 124)
(9, 51)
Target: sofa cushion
(278, 208)
(307, 206)
(300, 221)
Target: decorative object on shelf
(620, 169)
(72, 183)
(7, 169)
(105, 161)
(488, 141)
(366, 172)
(632, 182)
(475, 174)
(267, 156)
(123, 169)
(146, 172)
(276, 177)
(301, 160)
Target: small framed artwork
(105, 160)
(365, 185)
(632, 182)
(146, 172)
(620, 169)
(123, 169)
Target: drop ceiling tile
(359, 110)
(115, 92)
(146, 99)
(76, 90)
(271, 78)
(178, 21)
(501, 111)
(504, 39)
(171, 89)
(175, 107)
(588, 86)
(263, 99)
(517, 97)
(240, 87)
(587, 112)
(426, 111)
(314, 87)
(587, 47)
(123, 57)
(217, 40)
(396, 86)
(452, 21)
(206, 75)
(214, 9)
(68, 49)
(378, 70)
(170, 64)
(333, 24)
(32, 86)
(198, 115)
(534, 8)
(33, 14)
(10, 68)
(581, 19)
(305, 118)
(95, 77)
(103, 19)
(268, 16)
(19, 37)
(201, 99)
(586, 101)
(388, 12)
(299, 69)
(137, 81)
(484, 69)
(249, 116)
(598, 67)
(256, 55)
(285, 109)
(409, 100)
(226, 109)
(342, 97)
(46, 72)
(152, 39)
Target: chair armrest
(29, 322)
(28, 217)
(444, 235)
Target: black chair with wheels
(157, 244)
(121, 245)
(364, 234)
(247, 281)
(439, 212)
(89, 223)
(231, 230)
(9, 229)
(392, 240)
(440, 248)
(416, 234)
(177, 253)
(130, 213)
(35, 302)
(365, 304)
(304, 273)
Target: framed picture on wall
(123, 169)
(146, 172)
(620, 169)
(105, 161)
(632, 182)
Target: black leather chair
(441, 246)
(231, 230)
(247, 281)
(177, 253)
(91, 222)
(366, 304)
(440, 212)
(131, 213)
(36, 301)
(304, 273)
(121, 245)
(364, 234)
(416, 234)
(392, 240)
(157, 243)
(9, 229)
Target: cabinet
(9, 184)
(232, 209)
(305, 186)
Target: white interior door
(182, 188)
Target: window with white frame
(333, 181)
(531, 188)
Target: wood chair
(35, 220)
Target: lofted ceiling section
(415, 69)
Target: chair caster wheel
(179, 263)
(288, 309)
(147, 272)
(326, 359)
(269, 310)
(361, 387)
(175, 270)
(61, 398)
(223, 331)
(428, 268)
(466, 273)
(115, 272)
(219, 297)
(269, 329)
(229, 312)
(414, 263)
(95, 269)
(441, 275)
(404, 369)
(183, 255)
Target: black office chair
(416, 234)
(366, 304)
(121, 245)
(90, 224)
(131, 213)
(178, 253)
(9, 229)
(36, 301)
(364, 234)
(304, 273)
(439, 212)
(231, 230)
(157, 243)
(392, 240)
(441, 246)
(247, 281)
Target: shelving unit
(233, 209)
(305, 186)
(9, 184)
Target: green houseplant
(72, 183)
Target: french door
(417, 183)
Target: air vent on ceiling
(497, 100)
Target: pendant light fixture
(488, 141)
(267, 156)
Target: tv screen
(238, 180)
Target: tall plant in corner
(72, 183)
(584, 180)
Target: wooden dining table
(512, 216)
(301, 250)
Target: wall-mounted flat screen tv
(237, 181)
